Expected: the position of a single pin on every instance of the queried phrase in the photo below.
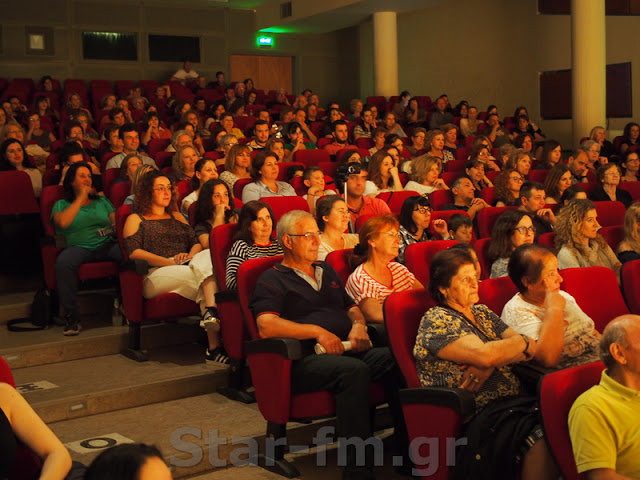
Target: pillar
(385, 53)
(588, 58)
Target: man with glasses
(304, 299)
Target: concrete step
(15, 305)
(198, 436)
(91, 386)
(98, 337)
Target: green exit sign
(265, 42)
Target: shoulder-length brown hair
(248, 214)
(144, 194)
(373, 169)
(370, 230)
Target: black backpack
(40, 316)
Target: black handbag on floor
(40, 316)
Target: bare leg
(538, 463)
(209, 288)
(214, 339)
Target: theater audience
(550, 156)
(469, 125)
(575, 192)
(313, 179)
(606, 147)
(296, 140)
(264, 172)
(130, 165)
(376, 274)
(495, 131)
(415, 218)
(261, 135)
(237, 165)
(630, 166)
(425, 173)
(161, 236)
(440, 116)
(22, 425)
(360, 204)
(475, 172)
(603, 425)
(592, 149)
(464, 345)
(464, 197)
(630, 137)
(578, 239)
(204, 170)
(383, 175)
(480, 152)
(365, 128)
(391, 125)
(507, 188)
(340, 134)
(332, 216)
(253, 239)
(578, 165)
(450, 132)
(565, 335)
(13, 157)
(379, 136)
(130, 144)
(461, 228)
(512, 229)
(434, 141)
(520, 160)
(79, 217)
(153, 129)
(275, 145)
(129, 461)
(35, 133)
(608, 176)
(629, 248)
(135, 183)
(183, 162)
(532, 198)
(557, 181)
(417, 142)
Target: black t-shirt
(283, 292)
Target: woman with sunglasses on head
(377, 275)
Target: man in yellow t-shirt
(604, 422)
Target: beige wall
(318, 59)
(492, 52)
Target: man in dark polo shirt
(464, 198)
(305, 299)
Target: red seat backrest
(50, 195)
(239, 186)
(184, 188)
(248, 274)
(156, 145)
(538, 175)
(440, 198)
(631, 285)
(109, 176)
(282, 174)
(610, 213)
(282, 205)
(220, 243)
(403, 312)
(558, 391)
(163, 159)
(16, 194)
(339, 260)
(301, 189)
(588, 187)
(119, 193)
(449, 177)
(455, 165)
(487, 217)
(446, 215)
(496, 292)
(329, 168)
(488, 195)
(418, 256)
(548, 239)
(310, 158)
(481, 247)
(364, 143)
(613, 234)
(362, 219)
(633, 188)
(583, 283)
(395, 200)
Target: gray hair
(614, 332)
(587, 144)
(176, 135)
(506, 149)
(288, 221)
(224, 140)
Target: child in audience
(460, 228)
(313, 179)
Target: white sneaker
(209, 322)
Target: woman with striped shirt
(377, 274)
(253, 240)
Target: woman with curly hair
(629, 248)
(558, 180)
(578, 239)
(161, 236)
(383, 174)
(507, 188)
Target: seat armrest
(141, 267)
(58, 241)
(461, 401)
(289, 348)
(227, 296)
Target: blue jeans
(67, 266)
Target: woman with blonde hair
(184, 162)
(598, 134)
(520, 160)
(434, 141)
(578, 239)
(425, 175)
(629, 248)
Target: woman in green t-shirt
(81, 217)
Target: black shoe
(218, 355)
(71, 327)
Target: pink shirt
(370, 206)
(334, 147)
(361, 285)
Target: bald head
(616, 337)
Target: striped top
(242, 251)
(361, 285)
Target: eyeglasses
(306, 235)
(163, 188)
(517, 179)
(393, 235)
(525, 230)
(423, 209)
